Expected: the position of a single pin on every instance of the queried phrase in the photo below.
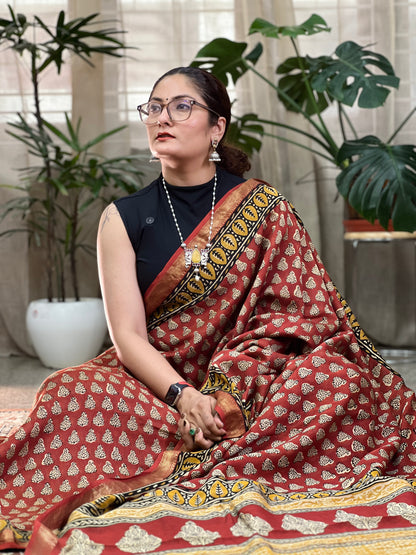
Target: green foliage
(78, 179)
(243, 131)
(77, 36)
(224, 57)
(314, 24)
(57, 195)
(352, 76)
(380, 184)
(294, 91)
(349, 76)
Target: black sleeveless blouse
(149, 222)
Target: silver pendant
(195, 257)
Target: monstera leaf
(242, 133)
(313, 83)
(314, 24)
(293, 89)
(380, 182)
(224, 58)
(350, 75)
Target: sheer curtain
(167, 33)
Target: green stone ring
(192, 431)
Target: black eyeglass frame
(163, 105)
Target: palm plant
(57, 193)
(378, 178)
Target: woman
(241, 409)
(183, 123)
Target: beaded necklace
(194, 256)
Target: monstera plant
(376, 176)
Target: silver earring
(154, 158)
(214, 156)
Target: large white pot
(66, 333)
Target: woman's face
(186, 141)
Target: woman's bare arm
(124, 306)
(126, 320)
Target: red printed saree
(320, 451)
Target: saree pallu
(320, 450)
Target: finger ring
(192, 432)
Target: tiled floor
(20, 377)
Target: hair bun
(233, 159)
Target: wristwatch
(174, 393)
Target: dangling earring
(154, 158)
(214, 156)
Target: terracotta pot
(356, 225)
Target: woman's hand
(200, 426)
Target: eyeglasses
(179, 109)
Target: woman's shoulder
(136, 209)
(140, 196)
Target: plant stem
(72, 247)
(305, 147)
(61, 279)
(331, 147)
(50, 241)
(406, 119)
(341, 115)
(297, 130)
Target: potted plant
(377, 177)
(64, 187)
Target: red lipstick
(162, 136)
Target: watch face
(173, 392)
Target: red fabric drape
(320, 435)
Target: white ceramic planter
(66, 333)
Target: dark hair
(215, 96)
